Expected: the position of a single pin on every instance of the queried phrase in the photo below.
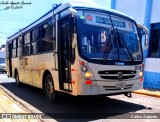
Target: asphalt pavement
(32, 100)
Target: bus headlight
(141, 74)
(84, 68)
(88, 75)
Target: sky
(13, 19)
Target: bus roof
(86, 5)
(61, 8)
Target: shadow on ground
(69, 107)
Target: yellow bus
(78, 49)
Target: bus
(144, 37)
(78, 49)
(2, 61)
(151, 69)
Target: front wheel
(49, 89)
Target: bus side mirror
(144, 39)
(144, 35)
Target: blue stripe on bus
(151, 80)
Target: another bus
(2, 61)
(78, 49)
(151, 69)
(144, 37)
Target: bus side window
(14, 50)
(26, 47)
(36, 41)
(20, 44)
(47, 39)
(7, 50)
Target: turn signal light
(141, 74)
(88, 75)
(141, 79)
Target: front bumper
(110, 87)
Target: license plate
(120, 85)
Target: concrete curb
(27, 106)
(148, 93)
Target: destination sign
(107, 21)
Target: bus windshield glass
(108, 37)
(2, 60)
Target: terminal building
(146, 12)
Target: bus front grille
(111, 88)
(113, 74)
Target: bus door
(64, 54)
(10, 58)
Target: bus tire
(17, 79)
(49, 89)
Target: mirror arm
(74, 40)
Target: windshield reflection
(2, 60)
(97, 39)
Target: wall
(152, 73)
(155, 16)
(134, 8)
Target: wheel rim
(49, 89)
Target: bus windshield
(108, 37)
(2, 60)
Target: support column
(113, 4)
(148, 12)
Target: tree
(3, 46)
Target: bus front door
(64, 52)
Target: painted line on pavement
(147, 93)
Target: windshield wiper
(124, 45)
(117, 41)
(108, 47)
(114, 38)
